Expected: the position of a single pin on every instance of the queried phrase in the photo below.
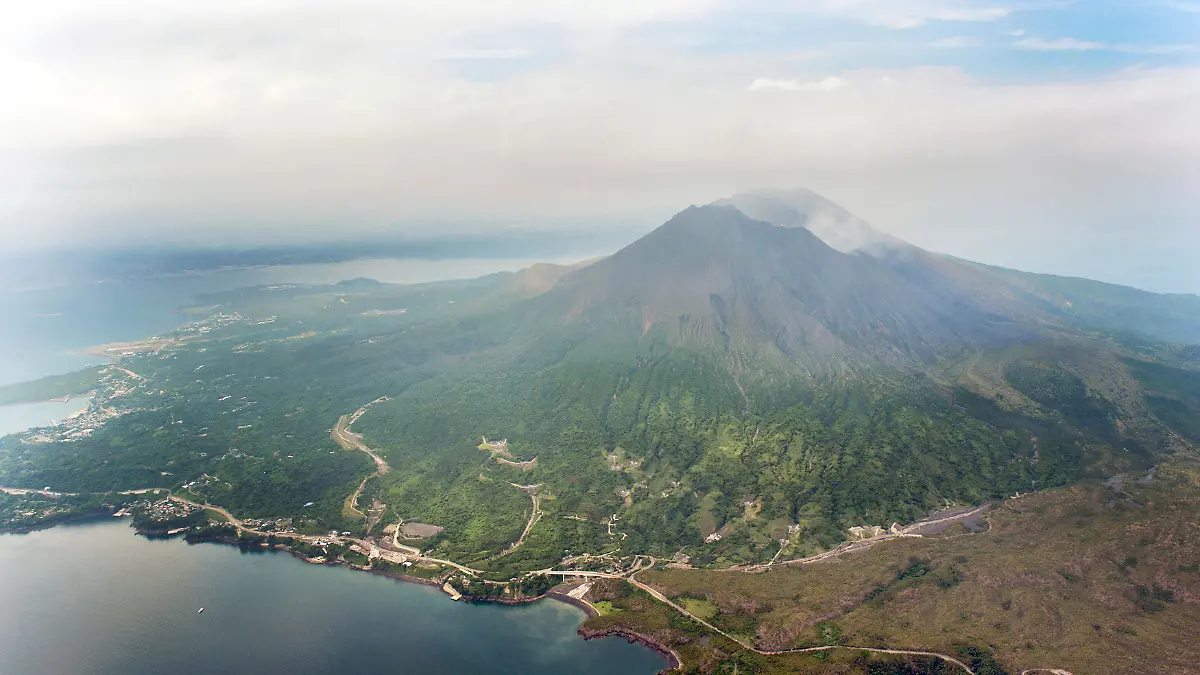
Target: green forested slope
(715, 388)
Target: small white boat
(201, 611)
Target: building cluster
(866, 532)
(196, 485)
(208, 325)
(165, 509)
(276, 525)
(76, 427)
(25, 515)
(114, 384)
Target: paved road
(44, 493)
(959, 516)
(907, 531)
(50, 493)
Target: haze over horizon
(1045, 136)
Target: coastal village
(21, 511)
(116, 384)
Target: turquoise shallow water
(96, 599)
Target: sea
(96, 599)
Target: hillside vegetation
(723, 391)
(1100, 577)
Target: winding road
(654, 593)
(349, 440)
(534, 516)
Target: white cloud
(1074, 45)
(824, 84)
(483, 54)
(956, 43)
(971, 14)
(1066, 44)
(1161, 50)
(278, 119)
(1016, 33)
(906, 14)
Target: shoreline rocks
(673, 661)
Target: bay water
(96, 599)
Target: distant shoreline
(112, 350)
(86, 394)
(98, 350)
(99, 515)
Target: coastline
(396, 576)
(73, 519)
(97, 351)
(67, 398)
(112, 350)
(390, 574)
(674, 662)
(581, 604)
(63, 399)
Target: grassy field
(1101, 577)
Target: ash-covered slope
(712, 277)
(1038, 300)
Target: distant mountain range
(55, 267)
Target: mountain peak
(803, 208)
(722, 281)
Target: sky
(1048, 135)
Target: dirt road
(534, 516)
(349, 440)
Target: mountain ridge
(752, 283)
(720, 376)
